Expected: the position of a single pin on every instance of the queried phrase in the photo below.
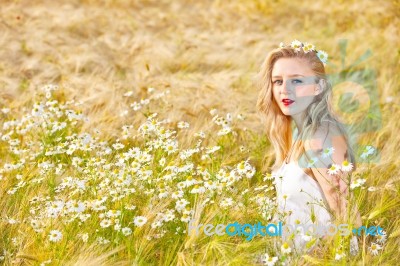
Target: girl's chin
(287, 111)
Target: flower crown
(307, 47)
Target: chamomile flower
(267, 260)
(374, 248)
(128, 94)
(381, 238)
(268, 176)
(339, 255)
(357, 183)
(139, 221)
(5, 110)
(161, 162)
(213, 112)
(367, 151)
(182, 124)
(85, 237)
(323, 56)
(105, 223)
(281, 45)
(126, 231)
(308, 47)
(296, 45)
(346, 166)
(224, 131)
(241, 117)
(118, 146)
(306, 237)
(226, 202)
(327, 152)
(334, 169)
(285, 248)
(200, 134)
(312, 162)
(55, 236)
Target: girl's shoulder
(325, 136)
(328, 129)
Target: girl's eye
(278, 82)
(296, 81)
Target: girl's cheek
(304, 91)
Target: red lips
(287, 102)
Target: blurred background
(206, 53)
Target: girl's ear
(320, 86)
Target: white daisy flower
(226, 202)
(85, 237)
(144, 101)
(296, 45)
(128, 93)
(339, 255)
(213, 112)
(281, 45)
(267, 260)
(136, 106)
(327, 152)
(312, 162)
(346, 166)
(285, 248)
(308, 47)
(126, 231)
(105, 223)
(367, 151)
(161, 162)
(334, 169)
(118, 146)
(389, 99)
(177, 194)
(306, 237)
(200, 134)
(357, 183)
(5, 110)
(182, 124)
(323, 56)
(55, 235)
(224, 131)
(139, 221)
(268, 176)
(241, 117)
(374, 248)
(381, 238)
(130, 207)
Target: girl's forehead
(291, 67)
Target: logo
(279, 229)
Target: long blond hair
(278, 126)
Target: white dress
(302, 199)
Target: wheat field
(123, 120)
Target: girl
(311, 145)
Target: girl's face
(293, 85)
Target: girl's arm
(330, 148)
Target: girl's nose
(286, 88)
